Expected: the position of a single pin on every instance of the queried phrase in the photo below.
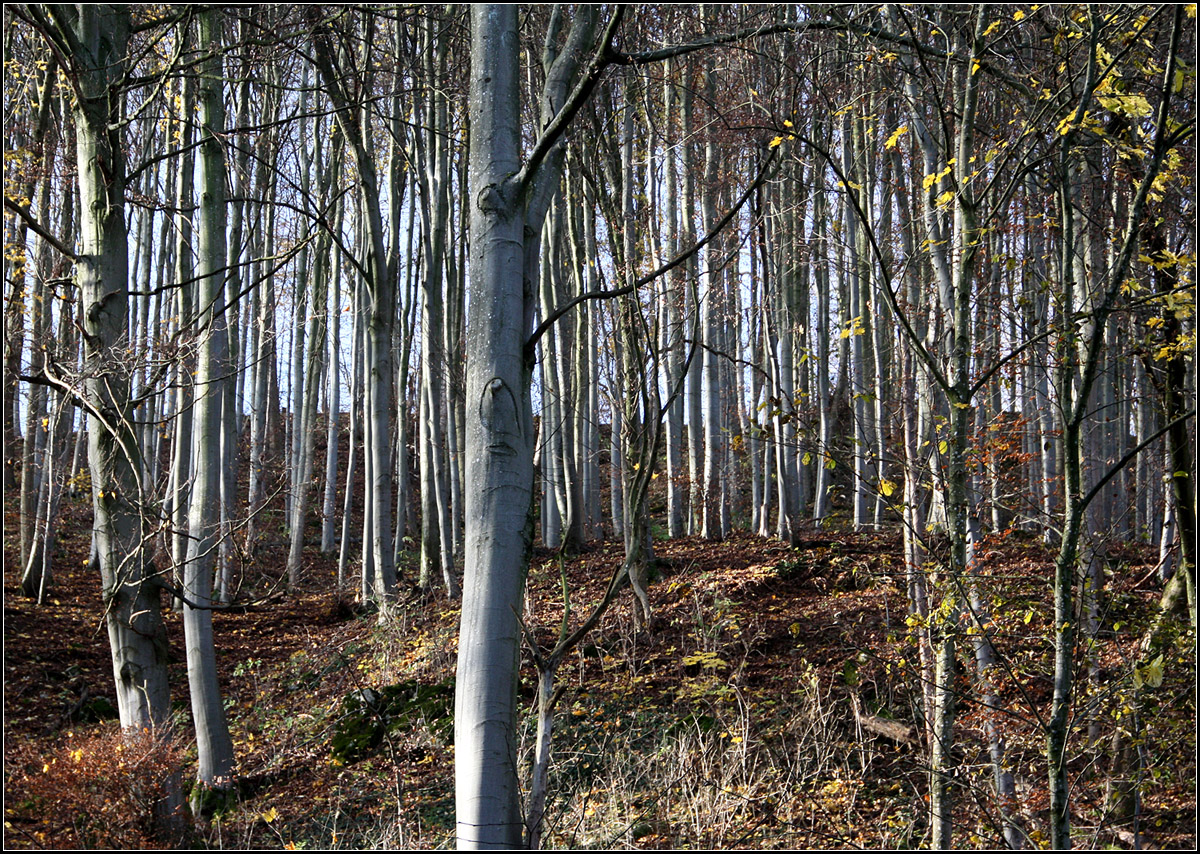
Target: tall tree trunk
(214, 747)
(380, 318)
(712, 316)
(185, 312)
(34, 302)
(508, 208)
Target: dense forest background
(802, 394)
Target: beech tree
(509, 200)
(885, 268)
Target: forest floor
(770, 704)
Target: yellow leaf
(945, 197)
(932, 179)
(895, 137)
(975, 65)
(1018, 15)
(887, 487)
(1135, 105)
(1152, 673)
(943, 446)
(992, 27)
(786, 123)
(270, 815)
(776, 142)
(1028, 617)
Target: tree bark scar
(499, 416)
(489, 198)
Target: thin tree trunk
(214, 746)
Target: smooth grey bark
(435, 181)
(352, 442)
(781, 324)
(641, 417)
(862, 355)
(306, 414)
(232, 404)
(695, 427)
(916, 462)
(185, 312)
(214, 746)
(508, 201)
(712, 315)
(94, 42)
(672, 330)
(47, 413)
(953, 246)
(261, 318)
(333, 412)
(581, 238)
(297, 367)
(405, 524)
(499, 450)
(34, 300)
(380, 283)
(456, 392)
(821, 281)
(555, 447)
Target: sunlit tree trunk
(673, 333)
(508, 208)
(334, 396)
(185, 314)
(380, 316)
(214, 747)
(35, 302)
(712, 315)
(437, 554)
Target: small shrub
(369, 715)
(108, 790)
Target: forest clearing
(592, 426)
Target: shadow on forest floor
(772, 703)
